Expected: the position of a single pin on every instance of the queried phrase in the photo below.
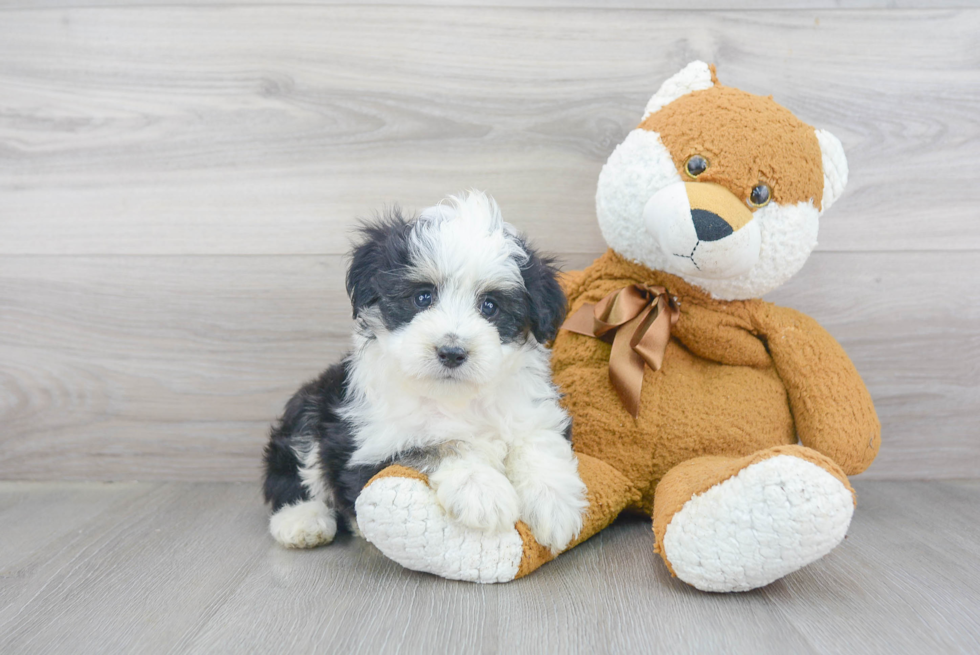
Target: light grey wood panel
(264, 129)
(112, 363)
(171, 368)
(911, 323)
(190, 568)
(691, 5)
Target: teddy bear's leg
(398, 512)
(733, 524)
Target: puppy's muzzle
(451, 356)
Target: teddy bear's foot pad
(404, 520)
(772, 518)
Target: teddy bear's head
(720, 187)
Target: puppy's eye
(488, 308)
(423, 299)
(760, 196)
(696, 165)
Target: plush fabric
(770, 141)
(747, 432)
(760, 521)
(738, 377)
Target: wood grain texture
(112, 364)
(189, 568)
(264, 130)
(177, 185)
(688, 5)
(172, 368)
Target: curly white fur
(498, 414)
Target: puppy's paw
(554, 510)
(477, 496)
(304, 525)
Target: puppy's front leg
(544, 473)
(475, 493)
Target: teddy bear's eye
(760, 195)
(696, 165)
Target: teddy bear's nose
(709, 226)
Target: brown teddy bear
(731, 421)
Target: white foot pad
(771, 519)
(303, 525)
(403, 518)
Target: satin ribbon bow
(639, 318)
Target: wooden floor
(180, 567)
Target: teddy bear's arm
(832, 408)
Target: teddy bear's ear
(696, 76)
(834, 168)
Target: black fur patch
(282, 484)
(538, 308)
(383, 251)
(547, 302)
(397, 298)
(513, 318)
(378, 271)
(311, 416)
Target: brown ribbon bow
(640, 318)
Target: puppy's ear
(547, 301)
(361, 287)
(381, 246)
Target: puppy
(447, 375)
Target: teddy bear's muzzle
(704, 230)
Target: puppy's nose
(709, 225)
(451, 356)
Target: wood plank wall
(177, 184)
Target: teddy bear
(732, 422)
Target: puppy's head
(453, 295)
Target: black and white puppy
(447, 375)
